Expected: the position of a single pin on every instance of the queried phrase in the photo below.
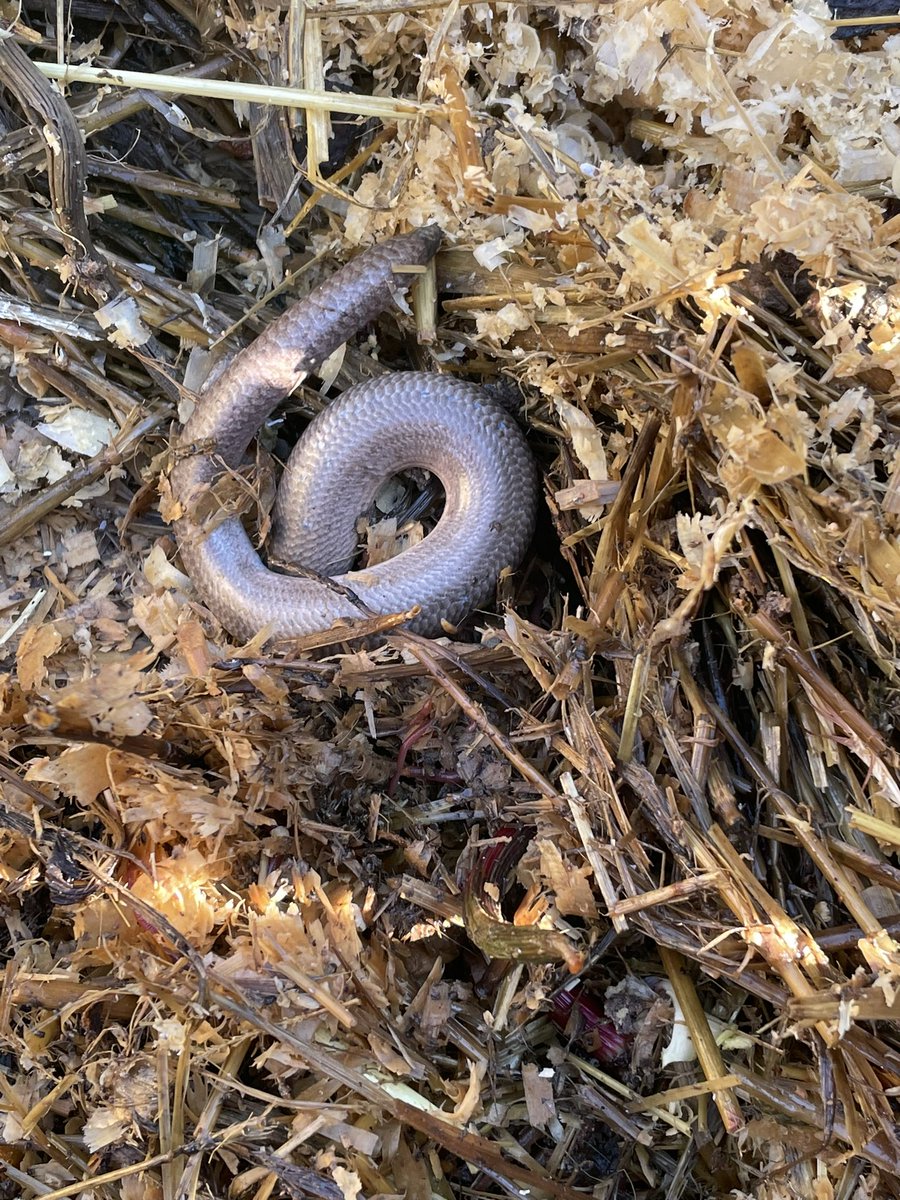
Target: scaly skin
(452, 428)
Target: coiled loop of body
(452, 428)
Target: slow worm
(374, 430)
